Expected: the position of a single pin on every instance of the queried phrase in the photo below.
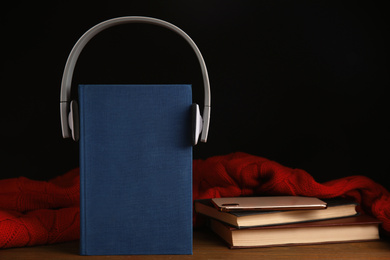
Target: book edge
(83, 246)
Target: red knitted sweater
(37, 212)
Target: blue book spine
(82, 182)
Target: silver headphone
(69, 109)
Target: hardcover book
(352, 229)
(337, 207)
(135, 169)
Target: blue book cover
(135, 169)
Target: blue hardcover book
(135, 169)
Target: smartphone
(268, 203)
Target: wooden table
(208, 246)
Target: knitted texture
(37, 212)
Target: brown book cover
(350, 229)
(267, 203)
(337, 208)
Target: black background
(299, 82)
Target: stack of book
(339, 222)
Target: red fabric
(37, 212)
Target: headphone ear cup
(197, 123)
(73, 120)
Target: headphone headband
(87, 36)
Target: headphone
(69, 109)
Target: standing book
(337, 208)
(352, 229)
(135, 169)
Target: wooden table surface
(208, 246)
